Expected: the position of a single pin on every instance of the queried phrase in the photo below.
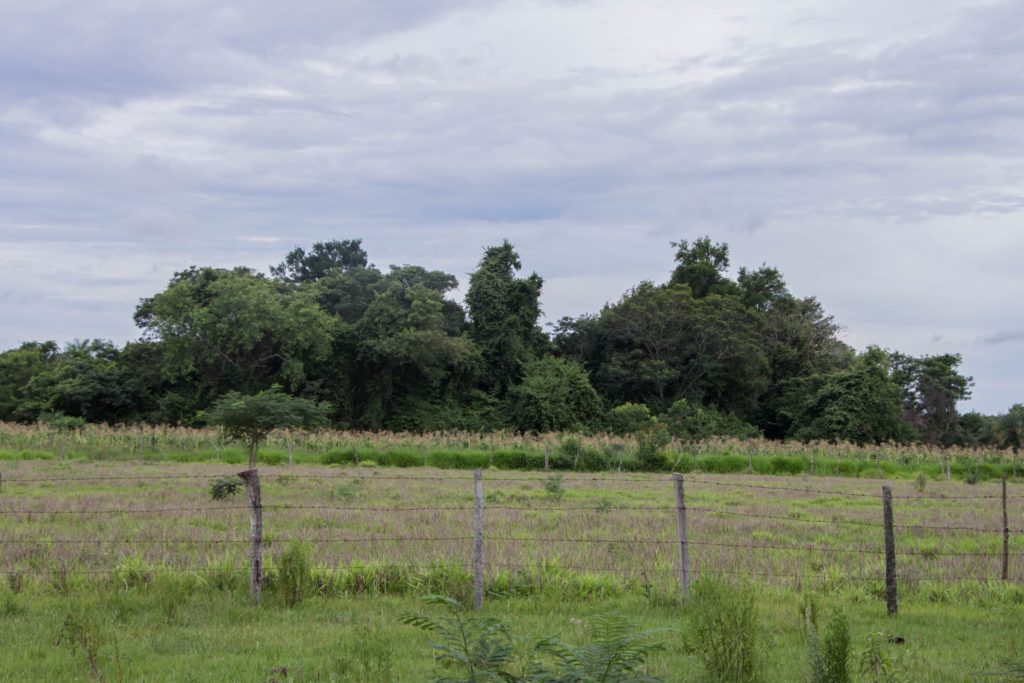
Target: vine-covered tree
(503, 312)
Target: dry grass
(90, 516)
(136, 442)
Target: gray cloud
(1002, 337)
(881, 171)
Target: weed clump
(295, 574)
(726, 630)
(555, 486)
(829, 654)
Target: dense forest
(702, 354)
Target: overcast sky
(872, 150)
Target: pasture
(161, 567)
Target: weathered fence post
(812, 463)
(291, 460)
(251, 478)
(478, 540)
(547, 466)
(1, 481)
(1006, 536)
(684, 550)
(891, 602)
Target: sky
(872, 151)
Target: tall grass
(455, 450)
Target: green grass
(203, 635)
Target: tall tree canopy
(704, 353)
(503, 313)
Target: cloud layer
(874, 154)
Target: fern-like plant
(613, 653)
(474, 649)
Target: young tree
(250, 419)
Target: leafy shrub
(225, 487)
(295, 575)
(725, 630)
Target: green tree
(503, 313)
(1012, 425)
(628, 418)
(664, 344)
(410, 348)
(17, 368)
(225, 330)
(931, 388)
(700, 266)
(86, 380)
(860, 404)
(251, 418)
(555, 395)
(323, 259)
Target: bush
(571, 449)
(225, 487)
(650, 443)
(628, 418)
(725, 630)
(337, 456)
(295, 574)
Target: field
(463, 450)
(161, 568)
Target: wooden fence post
(1, 481)
(1006, 536)
(252, 489)
(291, 460)
(812, 463)
(547, 466)
(891, 602)
(478, 540)
(684, 550)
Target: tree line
(701, 354)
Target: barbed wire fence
(485, 553)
